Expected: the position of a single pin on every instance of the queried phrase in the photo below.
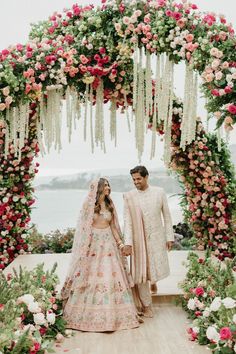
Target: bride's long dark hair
(107, 200)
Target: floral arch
(91, 56)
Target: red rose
(42, 330)
(37, 346)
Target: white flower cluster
(35, 308)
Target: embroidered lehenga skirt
(104, 302)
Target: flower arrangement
(209, 185)
(16, 193)
(209, 299)
(30, 311)
(97, 55)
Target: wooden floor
(163, 334)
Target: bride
(97, 291)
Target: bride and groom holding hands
(102, 292)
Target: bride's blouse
(102, 220)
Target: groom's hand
(169, 245)
(126, 250)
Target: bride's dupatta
(81, 244)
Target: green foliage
(53, 242)
(18, 330)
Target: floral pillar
(16, 193)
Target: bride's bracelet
(121, 245)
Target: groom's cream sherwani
(147, 216)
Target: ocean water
(59, 209)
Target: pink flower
(177, 15)
(189, 37)
(102, 50)
(228, 89)
(147, 19)
(83, 59)
(181, 22)
(126, 20)
(215, 92)
(232, 108)
(199, 291)
(225, 333)
(169, 13)
(19, 47)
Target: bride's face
(106, 189)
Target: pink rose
(189, 37)
(177, 16)
(83, 59)
(215, 92)
(225, 333)
(232, 108)
(147, 18)
(169, 13)
(181, 22)
(228, 89)
(199, 291)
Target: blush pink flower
(147, 19)
(83, 59)
(189, 37)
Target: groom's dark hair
(141, 170)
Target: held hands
(126, 250)
(169, 245)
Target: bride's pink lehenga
(97, 291)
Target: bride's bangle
(121, 245)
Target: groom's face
(140, 182)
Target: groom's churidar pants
(144, 294)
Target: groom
(148, 235)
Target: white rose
(191, 304)
(39, 318)
(51, 317)
(34, 307)
(26, 299)
(234, 318)
(215, 305)
(212, 334)
(229, 303)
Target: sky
(15, 19)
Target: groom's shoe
(148, 312)
(153, 289)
